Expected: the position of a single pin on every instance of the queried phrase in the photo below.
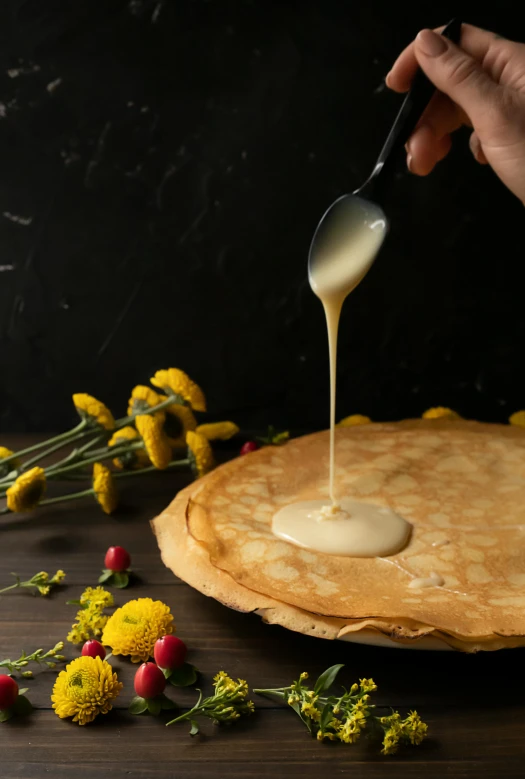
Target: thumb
(455, 73)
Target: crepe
(460, 484)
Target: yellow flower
(353, 420)
(142, 399)
(518, 419)
(367, 685)
(155, 440)
(85, 688)
(415, 730)
(91, 619)
(136, 458)
(440, 412)
(135, 627)
(12, 465)
(310, 710)
(104, 488)
(179, 419)
(200, 454)
(175, 381)
(93, 411)
(218, 431)
(27, 491)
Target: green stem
(63, 498)
(11, 587)
(128, 420)
(187, 715)
(55, 448)
(62, 437)
(151, 469)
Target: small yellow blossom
(354, 420)
(177, 382)
(310, 710)
(104, 488)
(440, 412)
(135, 458)
(91, 619)
(155, 440)
(415, 729)
(142, 399)
(27, 491)
(135, 627)
(85, 688)
(517, 419)
(200, 454)
(93, 411)
(367, 685)
(179, 419)
(218, 431)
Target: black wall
(163, 164)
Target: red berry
(149, 681)
(170, 652)
(8, 692)
(249, 446)
(117, 559)
(93, 648)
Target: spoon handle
(410, 113)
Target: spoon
(352, 230)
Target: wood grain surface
(474, 705)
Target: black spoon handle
(410, 113)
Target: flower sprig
(159, 432)
(49, 658)
(346, 717)
(90, 619)
(41, 582)
(227, 704)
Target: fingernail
(431, 43)
(409, 163)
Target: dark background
(163, 165)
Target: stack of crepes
(460, 484)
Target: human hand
(481, 85)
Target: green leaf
(166, 703)
(166, 672)
(194, 728)
(76, 603)
(23, 690)
(6, 715)
(184, 676)
(154, 706)
(297, 708)
(326, 716)
(327, 678)
(120, 580)
(138, 705)
(22, 706)
(105, 575)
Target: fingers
(474, 41)
(476, 149)
(425, 150)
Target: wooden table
(474, 705)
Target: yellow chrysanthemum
(176, 381)
(93, 411)
(104, 488)
(142, 399)
(85, 688)
(136, 458)
(155, 440)
(517, 419)
(440, 412)
(218, 431)
(353, 420)
(179, 419)
(200, 454)
(27, 491)
(135, 627)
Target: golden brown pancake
(460, 484)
